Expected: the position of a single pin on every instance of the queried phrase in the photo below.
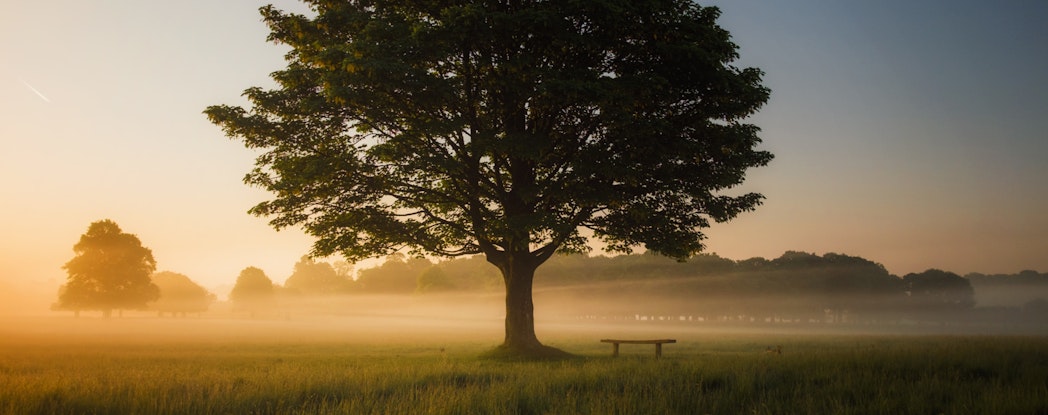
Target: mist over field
(405, 362)
(797, 292)
(654, 307)
(412, 336)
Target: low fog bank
(798, 292)
(1009, 290)
(592, 312)
(19, 299)
(632, 308)
(374, 319)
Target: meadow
(393, 365)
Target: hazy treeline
(113, 271)
(795, 287)
(180, 295)
(177, 295)
(1028, 288)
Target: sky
(909, 133)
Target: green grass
(703, 373)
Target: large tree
(111, 271)
(513, 129)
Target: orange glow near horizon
(934, 164)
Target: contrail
(38, 93)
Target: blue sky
(911, 133)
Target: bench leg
(658, 350)
(614, 350)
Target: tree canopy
(179, 294)
(939, 289)
(432, 280)
(253, 291)
(317, 278)
(515, 129)
(110, 271)
(397, 275)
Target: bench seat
(657, 342)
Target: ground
(398, 364)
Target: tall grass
(714, 374)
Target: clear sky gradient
(909, 133)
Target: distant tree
(752, 264)
(504, 129)
(473, 273)
(796, 260)
(343, 269)
(317, 278)
(253, 291)
(581, 268)
(433, 280)
(939, 290)
(397, 275)
(180, 295)
(111, 271)
(848, 284)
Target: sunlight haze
(908, 133)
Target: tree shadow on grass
(538, 353)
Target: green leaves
(502, 127)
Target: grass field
(53, 365)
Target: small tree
(317, 278)
(253, 291)
(179, 294)
(111, 271)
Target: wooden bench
(658, 344)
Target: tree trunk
(518, 272)
(520, 309)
